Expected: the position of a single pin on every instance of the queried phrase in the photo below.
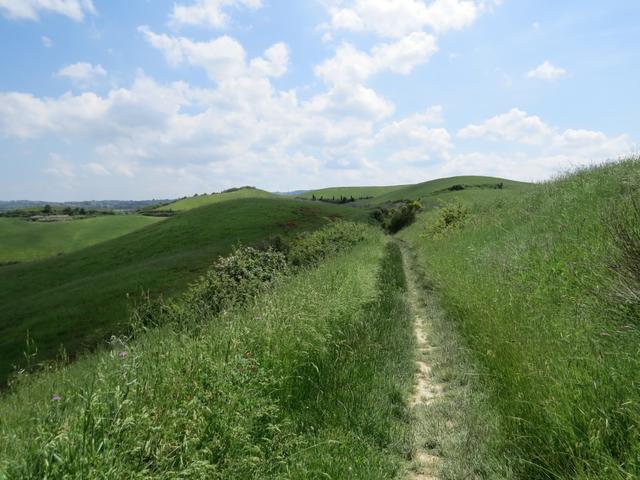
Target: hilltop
(201, 200)
(335, 193)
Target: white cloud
(208, 13)
(547, 71)
(96, 169)
(46, 42)
(224, 58)
(350, 65)
(529, 149)
(513, 126)
(398, 18)
(31, 9)
(82, 74)
(59, 167)
(275, 62)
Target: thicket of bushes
(395, 219)
(544, 288)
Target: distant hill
(355, 192)
(123, 205)
(442, 187)
(79, 299)
(202, 200)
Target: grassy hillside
(80, 298)
(543, 283)
(306, 382)
(22, 240)
(425, 191)
(202, 200)
(355, 192)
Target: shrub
(235, 279)
(450, 217)
(402, 217)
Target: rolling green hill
(22, 240)
(80, 298)
(355, 192)
(442, 188)
(202, 200)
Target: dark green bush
(402, 217)
(236, 278)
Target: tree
(47, 209)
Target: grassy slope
(79, 298)
(530, 284)
(306, 383)
(22, 240)
(356, 192)
(423, 191)
(202, 200)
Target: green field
(23, 241)
(79, 299)
(202, 200)
(355, 192)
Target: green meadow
(495, 336)
(24, 241)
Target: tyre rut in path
(426, 389)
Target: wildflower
(56, 398)
(123, 355)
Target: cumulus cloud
(547, 72)
(527, 147)
(513, 126)
(397, 18)
(31, 9)
(223, 58)
(350, 65)
(208, 13)
(82, 74)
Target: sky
(137, 99)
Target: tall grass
(307, 381)
(533, 281)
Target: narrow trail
(426, 389)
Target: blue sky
(148, 99)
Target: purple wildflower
(56, 398)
